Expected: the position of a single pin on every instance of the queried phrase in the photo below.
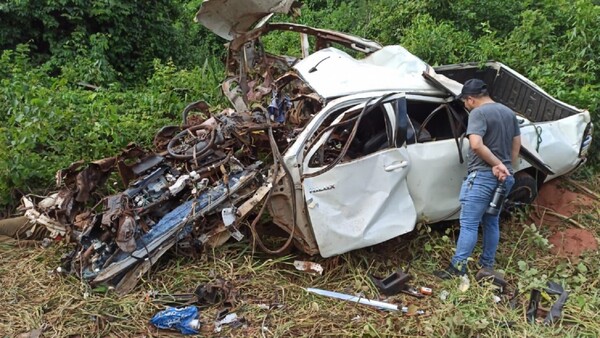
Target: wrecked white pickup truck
(355, 151)
(384, 149)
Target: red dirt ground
(573, 242)
(553, 198)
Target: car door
(363, 201)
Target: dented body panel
(348, 212)
(228, 19)
(558, 142)
(389, 69)
(435, 179)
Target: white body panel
(435, 178)
(229, 19)
(390, 69)
(377, 196)
(560, 141)
(360, 203)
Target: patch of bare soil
(573, 242)
(555, 206)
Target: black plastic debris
(555, 312)
(396, 283)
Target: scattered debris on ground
(185, 320)
(310, 267)
(303, 141)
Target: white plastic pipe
(355, 299)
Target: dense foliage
(49, 122)
(80, 80)
(119, 39)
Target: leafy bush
(51, 122)
(123, 35)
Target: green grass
(272, 297)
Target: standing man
(494, 139)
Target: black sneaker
(448, 273)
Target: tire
(524, 191)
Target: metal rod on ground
(355, 299)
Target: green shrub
(131, 33)
(51, 121)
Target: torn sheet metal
(228, 19)
(390, 69)
(324, 37)
(173, 226)
(229, 216)
(36, 216)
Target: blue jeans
(475, 195)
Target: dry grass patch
(273, 301)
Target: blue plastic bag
(184, 319)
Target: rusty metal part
(184, 145)
(278, 161)
(67, 176)
(124, 238)
(257, 91)
(113, 207)
(324, 37)
(163, 136)
(83, 219)
(129, 157)
(218, 292)
(234, 94)
(185, 214)
(302, 112)
(92, 177)
(200, 105)
(280, 209)
(157, 183)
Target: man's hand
(481, 150)
(500, 171)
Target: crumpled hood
(333, 73)
(230, 18)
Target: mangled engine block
(185, 197)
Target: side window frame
(395, 123)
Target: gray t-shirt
(497, 125)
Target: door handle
(397, 165)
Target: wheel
(524, 191)
(195, 141)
